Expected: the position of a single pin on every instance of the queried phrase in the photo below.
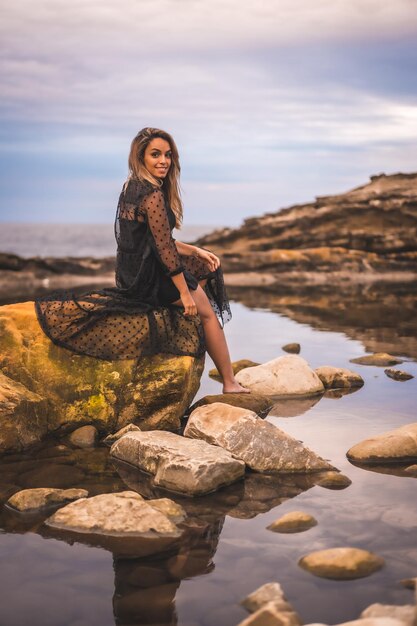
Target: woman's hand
(188, 303)
(209, 258)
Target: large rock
(177, 463)
(45, 388)
(261, 445)
(29, 500)
(341, 563)
(398, 445)
(288, 375)
(338, 377)
(114, 517)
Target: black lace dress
(136, 317)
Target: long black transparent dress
(136, 317)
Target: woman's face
(157, 157)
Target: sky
(271, 102)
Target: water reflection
(383, 316)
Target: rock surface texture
(370, 230)
(342, 563)
(261, 445)
(177, 463)
(44, 388)
(288, 375)
(394, 446)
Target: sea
(76, 240)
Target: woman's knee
(204, 308)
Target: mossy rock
(57, 390)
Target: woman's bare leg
(216, 342)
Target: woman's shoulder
(135, 189)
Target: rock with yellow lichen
(46, 389)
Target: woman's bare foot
(234, 387)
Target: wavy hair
(138, 170)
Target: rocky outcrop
(342, 563)
(285, 376)
(260, 444)
(179, 464)
(395, 446)
(45, 389)
(371, 229)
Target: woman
(169, 296)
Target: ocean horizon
(76, 240)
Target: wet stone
(398, 374)
(84, 437)
(293, 522)
(333, 480)
(292, 348)
(237, 366)
(338, 377)
(270, 593)
(341, 563)
(394, 446)
(257, 403)
(36, 499)
(381, 359)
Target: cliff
(370, 229)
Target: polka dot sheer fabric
(136, 317)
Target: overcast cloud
(271, 103)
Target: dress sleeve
(153, 205)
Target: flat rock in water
(30, 500)
(252, 401)
(84, 437)
(398, 374)
(398, 445)
(338, 377)
(381, 359)
(114, 518)
(177, 463)
(293, 522)
(110, 439)
(261, 445)
(288, 375)
(341, 563)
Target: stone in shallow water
(36, 499)
(292, 348)
(398, 374)
(236, 367)
(83, 437)
(268, 593)
(261, 445)
(393, 446)
(342, 563)
(288, 375)
(333, 480)
(293, 522)
(269, 615)
(378, 358)
(338, 377)
(179, 464)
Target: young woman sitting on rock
(169, 296)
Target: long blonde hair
(138, 170)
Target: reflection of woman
(165, 289)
